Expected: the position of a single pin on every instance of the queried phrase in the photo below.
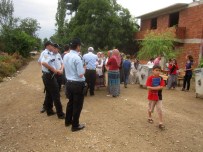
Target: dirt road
(112, 124)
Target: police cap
(75, 42)
(47, 43)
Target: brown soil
(112, 124)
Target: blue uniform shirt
(42, 54)
(48, 58)
(59, 61)
(90, 60)
(73, 66)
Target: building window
(173, 19)
(154, 23)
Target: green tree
(6, 13)
(155, 44)
(14, 38)
(29, 26)
(17, 41)
(60, 20)
(101, 24)
(73, 5)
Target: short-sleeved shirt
(59, 61)
(73, 66)
(157, 61)
(48, 58)
(153, 81)
(188, 66)
(90, 60)
(42, 54)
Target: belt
(91, 69)
(46, 72)
(70, 81)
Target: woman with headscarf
(113, 65)
(99, 71)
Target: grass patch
(9, 64)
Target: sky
(45, 10)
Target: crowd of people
(82, 74)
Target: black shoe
(67, 124)
(43, 110)
(51, 113)
(80, 127)
(91, 94)
(62, 116)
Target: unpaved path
(112, 124)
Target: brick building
(185, 21)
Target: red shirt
(112, 64)
(174, 70)
(153, 81)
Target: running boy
(155, 85)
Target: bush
(201, 63)
(18, 41)
(10, 64)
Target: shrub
(10, 64)
(201, 63)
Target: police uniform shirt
(48, 58)
(73, 66)
(58, 61)
(42, 54)
(90, 60)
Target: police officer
(75, 85)
(59, 65)
(48, 46)
(90, 60)
(51, 86)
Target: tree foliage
(102, 24)
(6, 12)
(155, 44)
(17, 35)
(60, 20)
(73, 5)
(29, 26)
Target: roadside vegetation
(17, 38)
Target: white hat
(90, 49)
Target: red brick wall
(145, 25)
(188, 49)
(162, 22)
(192, 19)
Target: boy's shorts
(158, 105)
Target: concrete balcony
(179, 32)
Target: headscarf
(116, 56)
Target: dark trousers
(52, 94)
(90, 77)
(75, 104)
(186, 81)
(59, 79)
(45, 100)
(121, 75)
(126, 74)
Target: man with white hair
(90, 59)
